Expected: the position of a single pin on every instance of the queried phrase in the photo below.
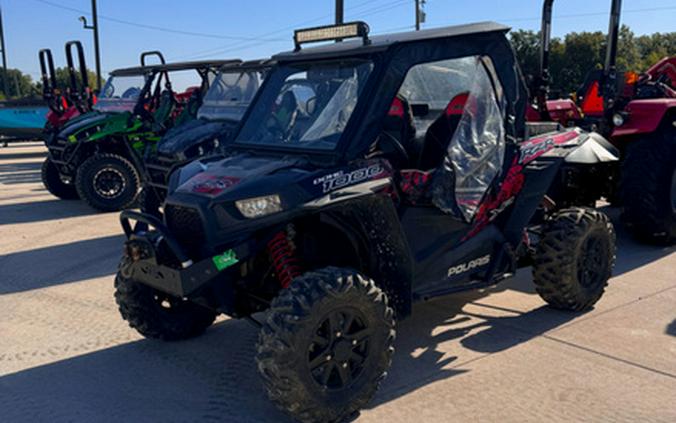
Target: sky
(250, 29)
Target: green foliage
(63, 78)
(580, 52)
(18, 84)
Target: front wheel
(574, 258)
(55, 184)
(108, 182)
(326, 345)
(157, 315)
(649, 188)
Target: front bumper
(143, 262)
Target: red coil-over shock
(286, 265)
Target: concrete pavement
(498, 355)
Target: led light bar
(331, 32)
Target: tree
(572, 57)
(18, 84)
(63, 78)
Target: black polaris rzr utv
(221, 110)
(98, 156)
(366, 176)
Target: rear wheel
(108, 182)
(649, 188)
(326, 345)
(574, 258)
(55, 184)
(158, 315)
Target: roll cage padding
(393, 65)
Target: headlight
(259, 206)
(618, 119)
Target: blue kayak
(22, 119)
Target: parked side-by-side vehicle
(221, 110)
(365, 176)
(97, 156)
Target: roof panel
(178, 66)
(382, 42)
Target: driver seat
(165, 108)
(440, 133)
(190, 108)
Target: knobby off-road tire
(326, 345)
(574, 258)
(51, 179)
(648, 187)
(108, 182)
(157, 315)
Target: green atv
(98, 156)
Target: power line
(231, 47)
(591, 14)
(160, 28)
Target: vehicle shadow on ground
(59, 264)
(630, 253)
(20, 173)
(40, 211)
(23, 155)
(420, 360)
(214, 377)
(671, 328)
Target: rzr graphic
(371, 174)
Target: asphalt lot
(498, 355)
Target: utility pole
(97, 52)
(4, 58)
(419, 13)
(340, 12)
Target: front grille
(186, 226)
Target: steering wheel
(389, 147)
(277, 127)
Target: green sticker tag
(225, 260)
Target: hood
(240, 173)
(85, 121)
(179, 139)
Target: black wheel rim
(592, 262)
(339, 349)
(109, 183)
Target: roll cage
(157, 77)
(77, 93)
(392, 57)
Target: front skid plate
(179, 283)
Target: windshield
(120, 93)
(230, 94)
(306, 105)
